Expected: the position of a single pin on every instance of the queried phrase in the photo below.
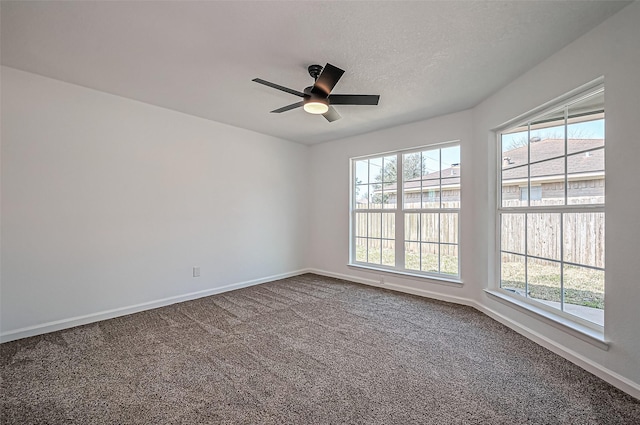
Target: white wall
(109, 202)
(611, 50)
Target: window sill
(585, 333)
(436, 279)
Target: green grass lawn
(448, 265)
(582, 286)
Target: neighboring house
(584, 162)
(585, 171)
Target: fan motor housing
(314, 71)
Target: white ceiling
(423, 58)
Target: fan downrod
(314, 71)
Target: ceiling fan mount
(317, 99)
(314, 71)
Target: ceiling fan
(317, 99)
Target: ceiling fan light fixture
(316, 106)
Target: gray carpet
(304, 350)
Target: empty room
(319, 212)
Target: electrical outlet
(196, 271)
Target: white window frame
(400, 212)
(564, 318)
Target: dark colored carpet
(304, 350)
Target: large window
(405, 210)
(551, 209)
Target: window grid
(569, 204)
(393, 198)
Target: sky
(583, 130)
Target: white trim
(123, 311)
(573, 96)
(439, 145)
(613, 378)
(396, 287)
(454, 280)
(590, 333)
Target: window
(552, 242)
(407, 221)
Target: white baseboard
(613, 378)
(123, 311)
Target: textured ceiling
(423, 58)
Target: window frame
(400, 212)
(562, 103)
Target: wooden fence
(583, 233)
(583, 236)
(418, 227)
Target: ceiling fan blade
(354, 99)
(276, 86)
(288, 107)
(327, 80)
(332, 115)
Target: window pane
(429, 227)
(374, 250)
(361, 249)
(513, 273)
(583, 238)
(586, 162)
(512, 180)
(412, 256)
(362, 172)
(449, 228)
(546, 136)
(388, 226)
(431, 161)
(584, 293)
(412, 194)
(431, 194)
(375, 170)
(512, 233)
(390, 170)
(375, 196)
(411, 227)
(586, 177)
(450, 159)
(374, 225)
(449, 259)
(389, 195)
(585, 129)
(429, 257)
(412, 166)
(586, 192)
(361, 224)
(451, 193)
(515, 141)
(388, 253)
(547, 142)
(544, 281)
(543, 235)
(362, 196)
